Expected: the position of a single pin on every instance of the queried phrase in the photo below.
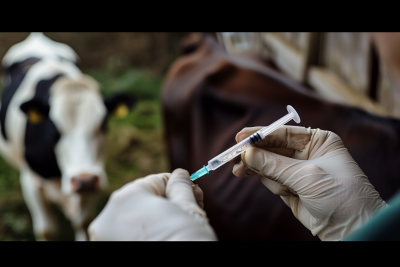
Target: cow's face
(78, 113)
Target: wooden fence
(341, 66)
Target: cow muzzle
(85, 183)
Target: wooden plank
(388, 93)
(292, 52)
(298, 39)
(220, 39)
(285, 55)
(347, 54)
(330, 86)
(241, 42)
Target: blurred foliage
(15, 220)
(117, 77)
(134, 145)
(8, 177)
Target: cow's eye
(34, 117)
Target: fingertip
(254, 158)
(241, 171)
(238, 134)
(235, 168)
(180, 190)
(181, 175)
(246, 132)
(179, 170)
(242, 135)
(250, 154)
(91, 233)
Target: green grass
(134, 149)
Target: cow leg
(79, 210)
(44, 222)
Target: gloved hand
(158, 207)
(315, 176)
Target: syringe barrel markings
(234, 151)
(242, 146)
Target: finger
(241, 171)
(92, 232)
(294, 206)
(273, 166)
(289, 137)
(284, 151)
(179, 191)
(277, 188)
(299, 211)
(179, 188)
(297, 142)
(236, 160)
(286, 199)
(246, 132)
(154, 184)
(198, 194)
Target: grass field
(134, 149)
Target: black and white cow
(52, 123)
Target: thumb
(180, 192)
(274, 169)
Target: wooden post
(292, 52)
(338, 66)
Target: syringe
(245, 144)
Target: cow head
(69, 129)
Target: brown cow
(209, 96)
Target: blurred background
(342, 67)
(133, 62)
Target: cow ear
(119, 104)
(35, 111)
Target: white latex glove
(162, 207)
(315, 176)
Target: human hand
(158, 207)
(315, 176)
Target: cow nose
(85, 183)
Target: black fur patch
(118, 98)
(113, 101)
(40, 139)
(16, 72)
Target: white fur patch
(78, 110)
(38, 45)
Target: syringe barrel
(234, 151)
(242, 146)
(272, 127)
